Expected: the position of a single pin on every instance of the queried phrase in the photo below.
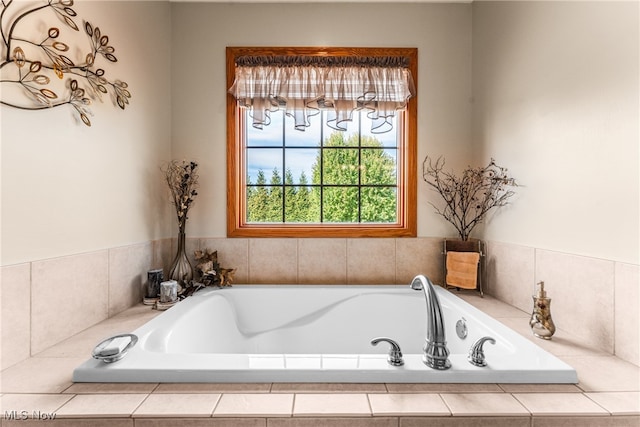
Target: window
(335, 178)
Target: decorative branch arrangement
(470, 197)
(34, 64)
(182, 178)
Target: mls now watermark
(29, 415)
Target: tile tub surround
(606, 396)
(47, 301)
(31, 310)
(597, 300)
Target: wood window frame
(406, 226)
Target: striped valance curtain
(303, 85)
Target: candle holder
(154, 278)
(169, 291)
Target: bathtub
(261, 333)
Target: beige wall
(555, 99)
(68, 189)
(555, 88)
(201, 31)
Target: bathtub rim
(378, 370)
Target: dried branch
(470, 197)
(182, 178)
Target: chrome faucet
(436, 353)
(476, 353)
(395, 353)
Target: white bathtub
(319, 334)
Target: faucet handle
(395, 354)
(476, 353)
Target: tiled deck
(608, 393)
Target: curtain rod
(322, 61)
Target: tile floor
(40, 389)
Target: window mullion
(359, 167)
(284, 144)
(321, 182)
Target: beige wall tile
(563, 342)
(511, 273)
(16, 313)
(466, 422)
(101, 405)
(116, 388)
(60, 422)
(627, 309)
(29, 403)
(422, 255)
(328, 388)
(442, 388)
(334, 405)
(604, 421)
(177, 405)
(201, 422)
(581, 292)
(68, 294)
(322, 261)
(334, 422)
(273, 261)
(128, 267)
(618, 403)
(39, 375)
(254, 405)
(605, 373)
(540, 388)
(479, 404)
(494, 307)
(82, 343)
(559, 404)
(408, 405)
(371, 261)
(213, 388)
(232, 253)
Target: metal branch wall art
(37, 72)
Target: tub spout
(436, 353)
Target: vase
(181, 270)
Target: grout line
(139, 405)
(215, 406)
(369, 403)
(67, 401)
(293, 404)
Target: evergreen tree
(257, 197)
(274, 201)
(291, 210)
(308, 210)
(359, 180)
